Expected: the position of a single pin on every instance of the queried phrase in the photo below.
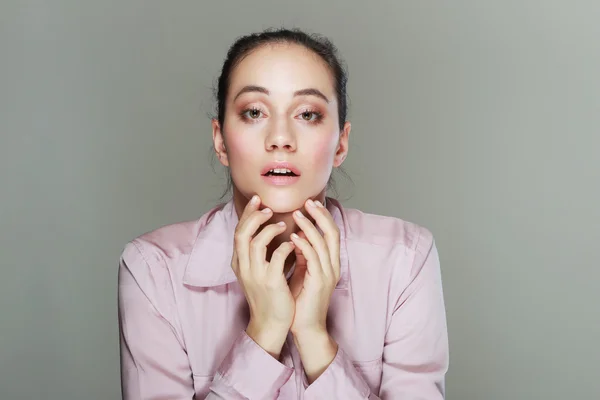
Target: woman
(282, 293)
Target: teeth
(280, 170)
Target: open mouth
(280, 172)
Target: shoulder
(386, 231)
(388, 252)
(166, 242)
(167, 245)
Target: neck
(240, 201)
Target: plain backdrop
(479, 120)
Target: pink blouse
(183, 315)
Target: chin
(283, 202)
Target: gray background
(479, 120)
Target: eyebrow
(302, 92)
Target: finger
(258, 245)
(331, 232)
(278, 258)
(300, 260)
(251, 206)
(316, 240)
(313, 262)
(235, 265)
(254, 221)
(246, 230)
(297, 279)
(239, 240)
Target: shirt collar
(209, 264)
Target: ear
(342, 148)
(219, 143)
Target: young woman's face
(281, 107)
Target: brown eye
(251, 114)
(308, 115)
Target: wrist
(317, 350)
(271, 339)
(314, 335)
(309, 341)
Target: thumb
(300, 259)
(297, 279)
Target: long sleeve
(249, 372)
(415, 354)
(416, 346)
(154, 364)
(154, 361)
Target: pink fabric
(183, 316)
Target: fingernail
(299, 214)
(295, 236)
(281, 223)
(265, 210)
(318, 203)
(311, 203)
(254, 199)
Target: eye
(311, 116)
(307, 115)
(252, 113)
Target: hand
(315, 277)
(317, 270)
(264, 285)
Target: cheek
(323, 150)
(239, 148)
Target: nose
(280, 137)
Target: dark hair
(318, 44)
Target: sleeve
(249, 372)
(154, 361)
(415, 354)
(154, 364)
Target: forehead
(283, 69)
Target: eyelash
(246, 118)
(318, 117)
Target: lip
(280, 180)
(281, 164)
